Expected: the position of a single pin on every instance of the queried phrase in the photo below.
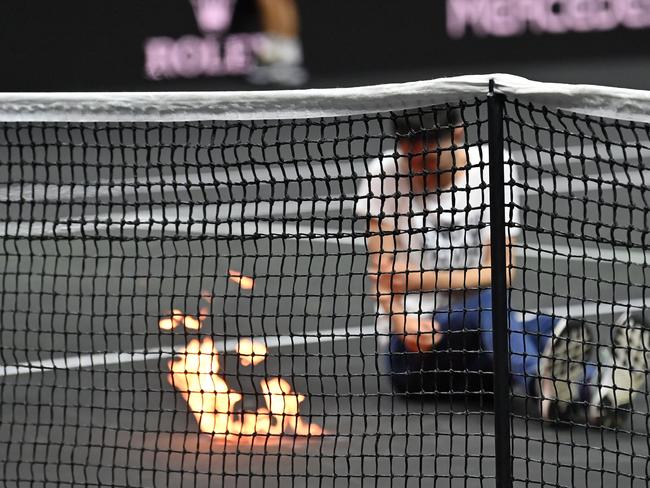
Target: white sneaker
(623, 370)
(564, 368)
(279, 62)
(291, 75)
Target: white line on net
(104, 193)
(131, 223)
(274, 342)
(248, 173)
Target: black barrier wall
(79, 45)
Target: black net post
(499, 291)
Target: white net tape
(298, 104)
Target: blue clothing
(529, 335)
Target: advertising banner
(211, 44)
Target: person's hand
(419, 334)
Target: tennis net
(437, 283)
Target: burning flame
(195, 374)
(284, 406)
(178, 318)
(245, 282)
(251, 352)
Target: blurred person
(280, 56)
(427, 207)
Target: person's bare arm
(381, 258)
(381, 244)
(417, 332)
(280, 17)
(403, 280)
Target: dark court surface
(119, 422)
(124, 425)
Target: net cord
(602, 101)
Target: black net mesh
(583, 257)
(309, 302)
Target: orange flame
(245, 282)
(204, 309)
(178, 318)
(284, 406)
(251, 352)
(173, 321)
(195, 374)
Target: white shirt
(443, 230)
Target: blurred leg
(529, 334)
(279, 53)
(427, 353)
(280, 17)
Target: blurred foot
(278, 74)
(566, 366)
(279, 62)
(623, 370)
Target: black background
(97, 45)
